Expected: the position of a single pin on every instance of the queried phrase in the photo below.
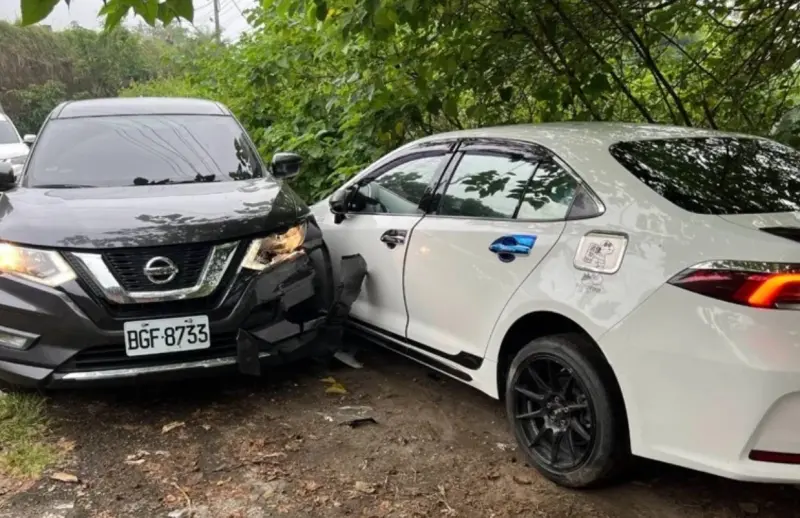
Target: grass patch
(24, 451)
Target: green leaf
(598, 84)
(148, 10)
(451, 106)
(182, 8)
(114, 12)
(322, 10)
(34, 11)
(434, 105)
(165, 14)
(385, 18)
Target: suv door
(378, 223)
(503, 209)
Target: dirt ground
(276, 446)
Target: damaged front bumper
(273, 317)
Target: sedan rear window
(717, 175)
(141, 150)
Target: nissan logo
(160, 270)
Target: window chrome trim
(214, 269)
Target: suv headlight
(274, 248)
(42, 266)
(17, 160)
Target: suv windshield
(717, 175)
(7, 133)
(141, 150)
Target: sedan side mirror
(29, 139)
(8, 179)
(338, 203)
(286, 165)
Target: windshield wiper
(63, 186)
(197, 179)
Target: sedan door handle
(394, 237)
(507, 247)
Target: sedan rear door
(503, 209)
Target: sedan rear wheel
(566, 412)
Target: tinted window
(549, 194)
(487, 186)
(717, 175)
(7, 133)
(398, 190)
(141, 150)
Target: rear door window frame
(506, 147)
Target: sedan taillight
(770, 286)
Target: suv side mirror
(286, 165)
(29, 139)
(8, 179)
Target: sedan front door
(378, 224)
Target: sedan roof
(563, 136)
(138, 106)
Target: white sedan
(625, 289)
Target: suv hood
(118, 217)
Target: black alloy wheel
(553, 413)
(566, 411)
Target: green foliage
(35, 102)
(344, 81)
(151, 11)
(40, 68)
(787, 130)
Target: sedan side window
(550, 193)
(399, 189)
(487, 186)
(508, 186)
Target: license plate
(166, 335)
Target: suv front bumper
(79, 338)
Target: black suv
(146, 237)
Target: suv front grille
(128, 264)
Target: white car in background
(624, 288)
(13, 149)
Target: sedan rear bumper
(711, 385)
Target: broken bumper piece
(253, 348)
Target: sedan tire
(566, 411)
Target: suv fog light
(14, 339)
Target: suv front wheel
(566, 412)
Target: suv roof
(138, 106)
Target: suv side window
(399, 189)
(550, 193)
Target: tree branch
(644, 52)
(574, 82)
(622, 86)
